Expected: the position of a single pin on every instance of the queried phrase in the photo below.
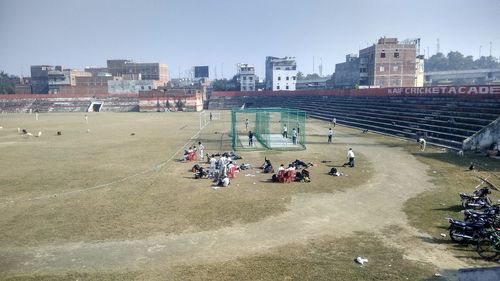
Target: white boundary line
(156, 167)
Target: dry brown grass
(159, 201)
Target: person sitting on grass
(224, 182)
(302, 176)
(187, 153)
(267, 167)
(289, 171)
(201, 173)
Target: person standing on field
(330, 135)
(285, 132)
(201, 148)
(350, 157)
(246, 124)
(334, 122)
(294, 136)
(250, 138)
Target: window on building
(142, 87)
(279, 78)
(382, 55)
(395, 68)
(243, 88)
(250, 78)
(396, 54)
(287, 78)
(278, 68)
(287, 87)
(288, 68)
(362, 70)
(382, 69)
(278, 87)
(244, 78)
(293, 77)
(149, 87)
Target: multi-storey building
(281, 73)
(347, 74)
(247, 77)
(148, 71)
(389, 63)
(40, 78)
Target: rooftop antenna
(179, 72)
(491, 46)
(215, 72)
(437, 46)
(320, 67)
(222, 70)
(313, 65)
(480, 47)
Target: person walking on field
(294, 136)
(334, 122)
(285, 132)
(350, 157)
(246, 124)
(201, 148)
(330, 135)
(250, 138)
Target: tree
(457, 61)
(6, 85)
(312, 76)
(300, 75)
(227, 85)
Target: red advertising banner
(478, 90)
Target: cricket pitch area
(109, 200)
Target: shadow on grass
(432, 240)
(481, 162)
(454, 208)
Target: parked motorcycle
(467, 231)
(488, 246)
(478, 199)
(490, 214)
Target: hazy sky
(222, 33)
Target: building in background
(389, 63)
(40, 78)
(281, 73)
(60, 78)
(170, 99)
(148, 71)
(419, 69)
(317, 83)
(247, 77)
(130, 86)
(348, 73)
(22, 85)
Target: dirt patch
(370, 207)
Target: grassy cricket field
(108, 199)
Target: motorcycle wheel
(456, 239)
(486, 249)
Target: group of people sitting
(290, 173)
(221, 168)
(189, 154)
